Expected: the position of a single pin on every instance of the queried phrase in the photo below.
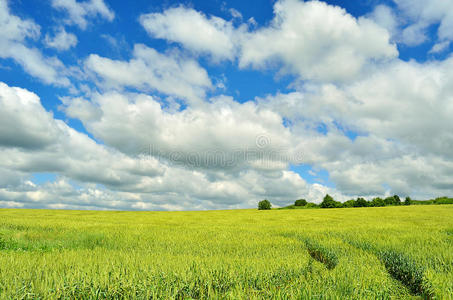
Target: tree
(349, 203)
(397, 200)
(264, 205)
(328, 202)
(377, 202)
(407, 201)
(389, 200)
(300, 202)
(360, 202)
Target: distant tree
(300, 202)
(349, 203)
(360, 202)
(264, 205)
(397, 200)
(389, 200)
(328, 202)
(443, 200)
(407, 201)
(377, 202)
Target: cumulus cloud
(223, 134)
(385, 17)
(312, 40)
(171, 73)
(33, 141)
(94, 176)
(34, 126)
(401, 113)
(384, 121)
(316, 41)
(440, 47)
(214, 35)
(61, 41)
(421, 15)
(13, 37)
(79, 12)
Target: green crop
(403, 252)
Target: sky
(195, 105)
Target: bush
(328, 202)
(300, 202)
(264, 205)
(312, 205)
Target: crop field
(351, 253)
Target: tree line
(329, 202)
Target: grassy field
(371, 253)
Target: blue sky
(342, 84)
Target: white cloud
(235, 14)
(33, 125)
(79, 12)
(422, 14)
(440, 47)
(197, 32)
(312, 39)
(386, 121)
(137, 180)
(402, 115)
(31, 140)
(316, 41)
(221, 135)
(414, 34)
(13, 36)
(61, 40)
(385, 17)
(170, 73)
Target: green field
(389, 252)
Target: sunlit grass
(240, 254)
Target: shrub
(264, 205)
(300, 202)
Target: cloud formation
(312, 40)
(99, 176)
(214, 36)
(158, 126)
(171, 74)
(80, 12)
(13, 45)
(61, 40)
(316, 41)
